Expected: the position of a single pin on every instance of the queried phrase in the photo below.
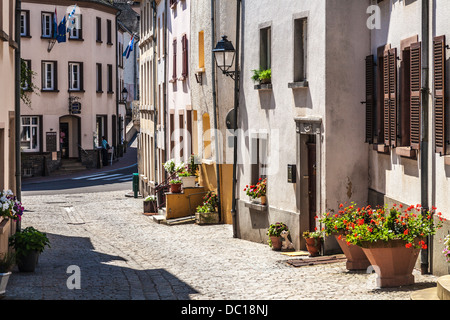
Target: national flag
(61, 33)
(55, 25)
(71, 19)
(129, 48)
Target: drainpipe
(214, 93)
(424, 256)
(117, 85)
(165, 86)
(18, 64)
(154, 84)
(236, 107)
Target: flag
(61, 33)
(129, 48)
(55, 25)
(71, 19)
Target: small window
(75, 76)
(99, 29)
(99, 77)
(49, 75)
(300, 49)
(201, 49)
(47, 24)
(25, 23)
(108, 32)
(110, 78)
(265, 48)
(76, 32)
(29, 134)
(25, 83)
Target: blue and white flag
(129, 48)
(71, 19)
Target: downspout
(154, 84)
(236, 107)
(18, 64)
(214, 93)
(117, 82)
(165, 86)
(424, 256)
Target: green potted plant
(207, 212)
(255, 76)
(265, 76)
(28, 245)
(336, 225)
(150, 205)
(274, 233)
(175, 186)
(313, 242)
(392, 238)
(189, 174)
(7, 262)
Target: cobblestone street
(123, 254)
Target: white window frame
(47, 25)
(75, 32)
(75, 76)
(23, 23)
(48, 78)
(26, 138)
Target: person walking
(105, 148)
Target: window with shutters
(370, 98)
(99, 86)
(415, 94)
(184, 46)
(439, 94)
(174, 61)
(75, 76)
(49, 76)
(25, 23)
(390, 97)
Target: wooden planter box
(206, 218)
(150, 207)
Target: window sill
(76, 39)
(99, 41)
(110, 92)
(47, 38)
(381, 148)
(25, 36)
(71, 90)
(99, 91)
(406, 152)
(48, 90)
(256, 206)
(4, 36)
(263, 86)
(13, 44)
(298, 84)
(109, 43)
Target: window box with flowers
(392, 238)
(257, 191)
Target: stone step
(440, 292)
(443, 287)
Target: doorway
(70, 137)
(64, 139)
(312, 178)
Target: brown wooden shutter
(370, 97)
(174, 70)
(185, 56)
(390, 97)
(439, 93)
(415, 95)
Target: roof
(128, 17)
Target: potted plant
(150, 205)
(274, 233)
(28, 245)
(175, 186)
(265, 76)
(207, 212)
(392, 240)
(257, 191)
(337, 225)
(7, 262)
(446, 250)
(189, 173)
(10, 207)
(313, 242)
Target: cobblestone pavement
(124, 255)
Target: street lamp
(224, 54)
(124, 95)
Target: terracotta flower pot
(175, 188)
(356, 258)
(313, 246)
(276, 243)
(263, 200)
(392, 262)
